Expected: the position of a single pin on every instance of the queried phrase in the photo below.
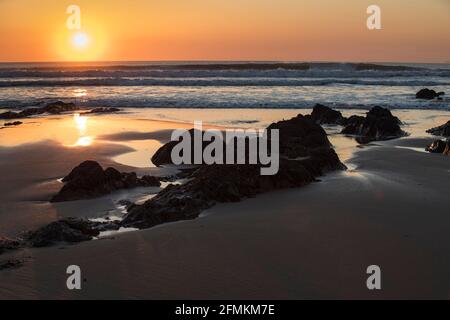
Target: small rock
(324, 115)
(15, 123)
(428, 94)
(439, 146)
(379, 124)
(443, 130)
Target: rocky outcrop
(305, 153)
(379, 124)
(324, 115)
(89, 180)
(11, 124)
(104, 110)
(443, 130)
(51, 108)
(69, 230)
(428, 94)
(439, 146)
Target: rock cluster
(305, 153)
(89, 180)
(51, 108)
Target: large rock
(443, 130)
(428, 94)
(379, 124)
(163, 154)
(305, 153)
(51, 108)
(324, 115)
(89, 180)
(439, 146)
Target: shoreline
(236, 232)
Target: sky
(284, 30)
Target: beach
(389, 208)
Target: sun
(80, 40)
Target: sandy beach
(389, 208)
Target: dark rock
(58, 107)
(89, 180)
(428, 94)
(7, 244)
(104, 110)
(163, 154)
(11, 264)
(324, 115)
(15, 123)
(9, 115)
(379, 124)
(126, 203)
(51, 108)
(439, 146)
(305, 153)
(443, 130)
(67, 230)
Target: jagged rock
(428, 94)
(305, 153)
(89, 180)
(379, 124)
(10, 124)
(324, 115)
(443, 130)
(51, 108)
(439, 146)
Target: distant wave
(221, 82)
(64, 70)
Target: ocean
(223, 84)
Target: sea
(242, 85)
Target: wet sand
(389, 209)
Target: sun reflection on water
(81, 123)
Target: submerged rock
(439, 146)
(324, 115)
(51, 108)
(305, 153)
(89, 180)
(379, 124)
(428, 94)
(443, 130)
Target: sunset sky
(294, 30)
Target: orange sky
(300, 30)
